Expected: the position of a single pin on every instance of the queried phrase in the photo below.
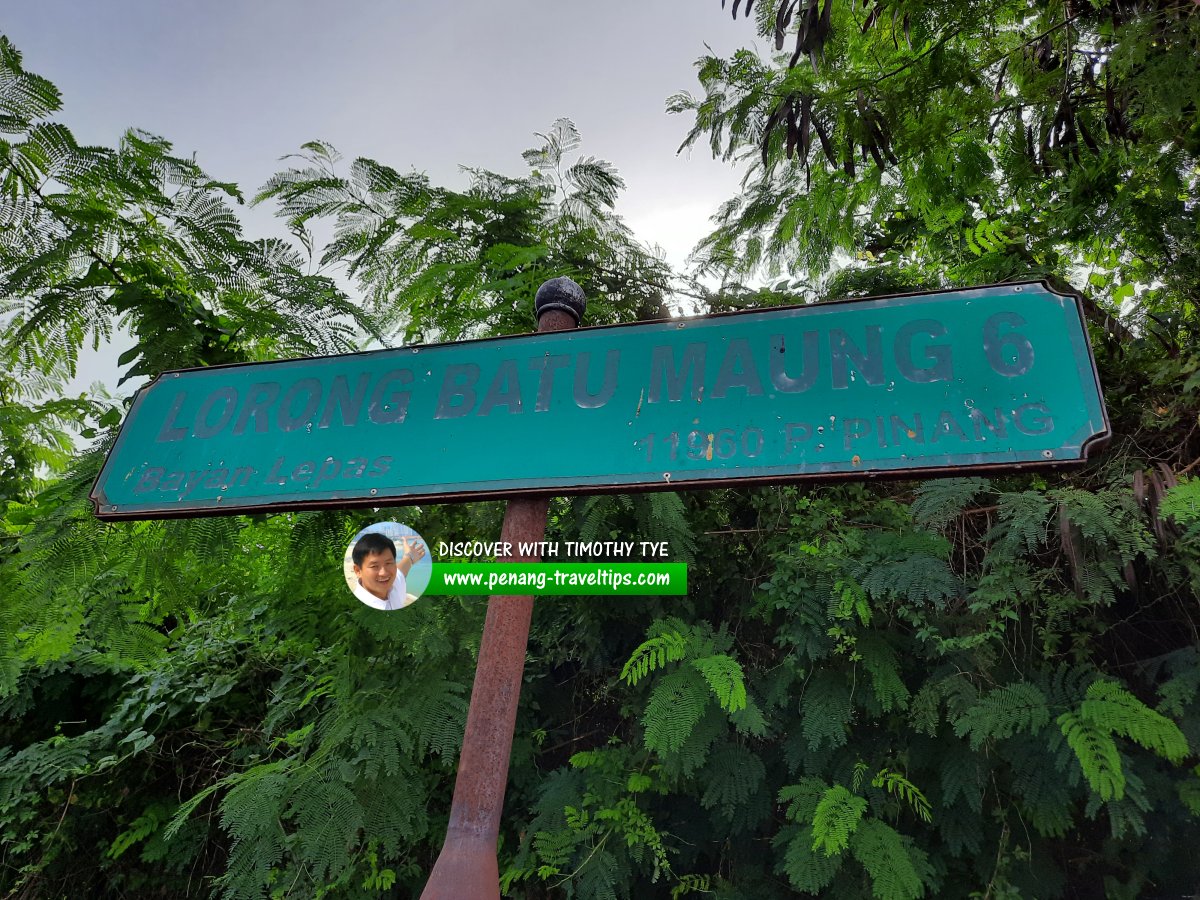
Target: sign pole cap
(560, 293)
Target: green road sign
(932, 383)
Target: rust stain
(467, 865)
(911, 433)
(708, 452)
(856, 460)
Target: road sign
(993, 377)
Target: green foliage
(989, 237)
(679, 700)
(438, 264)
(836, 817)
(691, 884)
(911, 566)
(653, 654)
(1108, 710)
(1004, 712)
(135, 235)
(1097, 753)
(934, 143)
(895, 783)
(827, 711)
(675, 708)
(940, 502)
(898, 870)
(973, 686)
(806, 869)
(1181, 505)
(910, 146)
(724, 676)
(734, 775)
(1112, 707)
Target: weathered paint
(996, 377)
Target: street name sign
(997, 377)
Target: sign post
(993, 378)
(466, 867)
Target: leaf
(1003, 712)
(676, 705)
(1097, 754)
(724, 675)
(807, 869)
(1110, 706)
(894, 865)
(653, 654)
(897, 784)
(836, 818)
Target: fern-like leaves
(726, 679)
(807, 869)
(899, 786)
(1108, 709)
(940, 501)
(1003, 712)
(898, 870)
(1097, 753)
(653, 654)
(836, 817)
(675, 706)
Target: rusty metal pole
(466, 869)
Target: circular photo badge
(387, 566)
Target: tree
(441, 264)
(966, 143)
(178, 713)
(903, 146)
(99, 240)
(94, 241)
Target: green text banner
(559, 579)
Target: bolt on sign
(992, 377)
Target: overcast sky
(429, 86)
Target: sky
(426, 86)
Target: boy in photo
(380, 575)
